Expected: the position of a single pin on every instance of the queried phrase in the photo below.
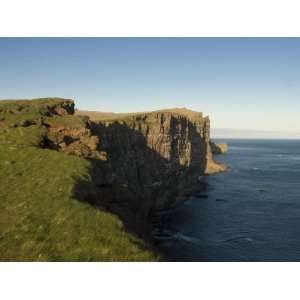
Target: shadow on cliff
(136, 180)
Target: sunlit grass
(41, 221)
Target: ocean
(249, 213)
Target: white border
(149, 18)
(149, 281)
(156, 280)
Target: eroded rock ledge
(220, 148)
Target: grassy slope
(39, 218)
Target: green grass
(68, 121)
(17, 112)
(25, 136)
(31, 104)
(41, 221)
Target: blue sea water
(250, 213)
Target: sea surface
(250, 213)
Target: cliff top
(25, 112)
(110, 116)
(31, 108)
(37, 102)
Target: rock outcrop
(221, 148)
(61, 130)
(73, 136)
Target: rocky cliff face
(158, 156)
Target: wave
(166, 235)
(288, 156)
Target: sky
(241, 83)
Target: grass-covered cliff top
(41, 219)
(37, 102)
(193, 116)
(36, 107)
(15, 113)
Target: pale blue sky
(239, 83)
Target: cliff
(160, 153)
(120, 168)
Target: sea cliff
(126, 166)
(161, 153)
